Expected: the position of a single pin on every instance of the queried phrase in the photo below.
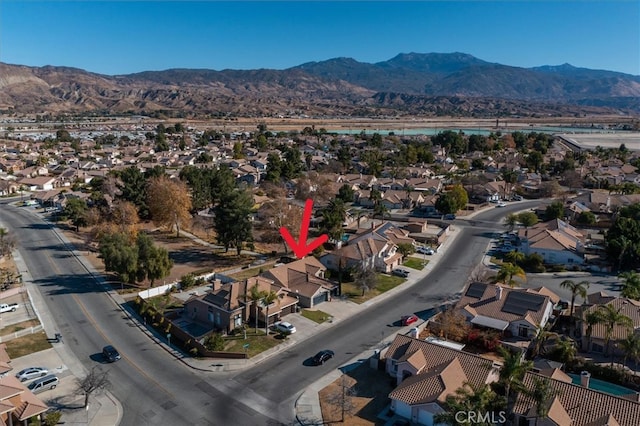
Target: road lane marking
(95, 325)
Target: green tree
(512, 370)
(133, 187)
(527, 219)
(631, 349)
(591, 318)
(586, 218)
(610, 317)
(333, 217)
(446, 204)
(274, 168)
(460, 196)
(346, 193)
(406, 249)
(535, 160)
(631, 285)
(232, 219)
(577, 289)
(467, 399)
(623, 240)
(508, 271)
(268, 298)
(564, 350)
(554, 210)
(153, 262)
(511, 221)
(255, 296)
(76, 211)
(119, 256)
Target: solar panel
(476, 290)
(519, 302)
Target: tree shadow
(69, 284)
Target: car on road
(31, 373)
(501, 204)
(110, 353)
(284, 327)
(449, 216)
(425, 250)
(400, 273)
(408, 319)
(322, 357)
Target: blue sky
(119, 37)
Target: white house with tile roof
(556, 241)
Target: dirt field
(372, 388)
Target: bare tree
(365, 278)
(96, 381)
(341, 399)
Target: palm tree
(268, 297)
(515, 257)
(255, 296)
(380, 210)
(565, 350)
(408, 189)
(542, 394)
(511, 221)
(508, 271)
(610, 317)
(576, 289)
(512, 370)
(631, 348)
(542, 336)
(591, 318)
(631, 286)
(468, 398)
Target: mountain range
(428, 84)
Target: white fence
(157, 291)
(20, 333)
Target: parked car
(408, 319)
(425, 250)
(110, 353)
(517, 198)
(449, 216)
(43, 384)
(400, 273)
(31, 373)
(284, 327)
(322, 356)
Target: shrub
(187, 281)
(214, 342)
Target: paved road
(156, 389)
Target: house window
(210, 317)
(237, 321)
(218, 318)
(523, 331)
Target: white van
(43, 384)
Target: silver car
(31, 373)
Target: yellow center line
(95, 325)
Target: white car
(31, 373)
(501, 204)
(425, 250)
(284, 327)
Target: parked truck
(8, 307)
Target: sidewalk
(106, 409)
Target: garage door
(320, 298)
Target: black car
(322, 356)
(110, 353)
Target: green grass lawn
(257, 341)
(384, 284)
(317, 316)
(415, 263)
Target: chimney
(498, 292)
(216, 284)
(307, 277)
(584, 378)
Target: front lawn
(256, 340)
(415, 263)
(28, 344)
(384, 284)
(317, 316)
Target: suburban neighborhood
(182, 225)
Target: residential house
(556, 241)
(304, 280)
(219, 309)
(41, 183)
(512, 311)
(426, 373)
(369, 249)
(595, 336)
(574, 404)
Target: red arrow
(300, 247)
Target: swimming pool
(602, 386)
